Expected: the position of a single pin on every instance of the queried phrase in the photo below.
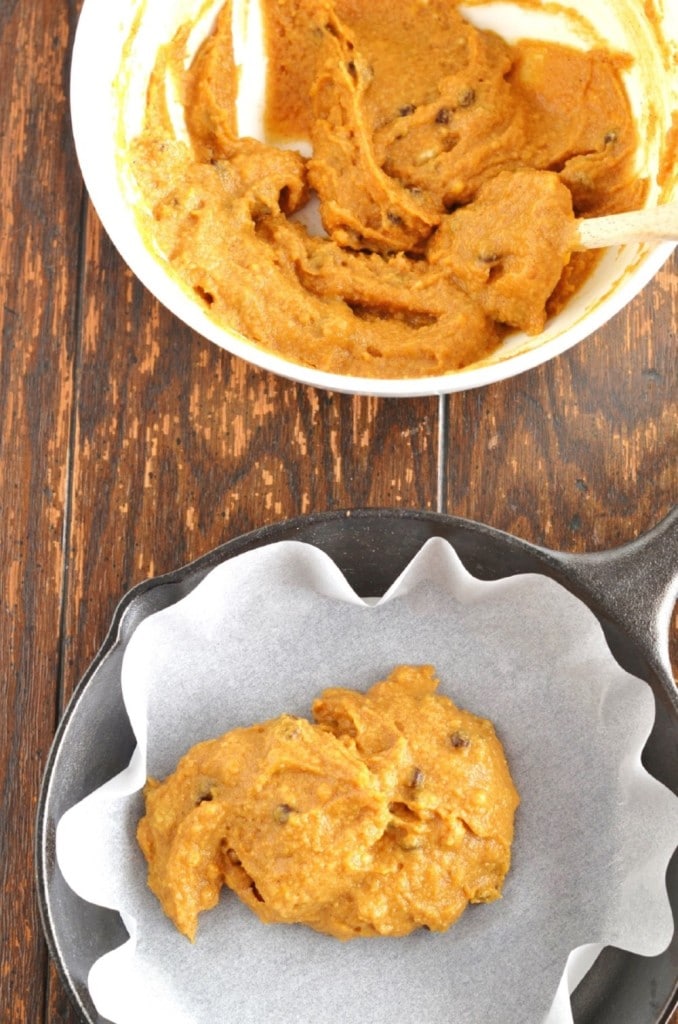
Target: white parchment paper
(263, 634)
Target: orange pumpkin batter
(448, 166)
(394, 811)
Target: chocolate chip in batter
(282, 813)
(257, 895)
(459, 740)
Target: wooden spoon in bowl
(657, 224)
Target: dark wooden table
(128, 446)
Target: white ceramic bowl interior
(108, 89)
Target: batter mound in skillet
(393, 811)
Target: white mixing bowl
(108, 92)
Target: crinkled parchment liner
(264, 633)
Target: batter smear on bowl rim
(448, 166)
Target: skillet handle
(635, 586)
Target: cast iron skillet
(632, 590)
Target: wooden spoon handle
(653, 225)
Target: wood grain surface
(128, 446)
